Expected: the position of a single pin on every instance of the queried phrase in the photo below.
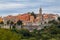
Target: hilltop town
(29, 20)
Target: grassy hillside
(48, 33)
(8, 35)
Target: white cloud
(12, 0)
(21, 0)
(14, 14)
(47, 0)
(33, 4)
(51, 9)
(17, 5)
(11, 5)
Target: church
(39, 20)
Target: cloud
(21, 0)
(52, 9)
(47, 0)
(10, 5)
(23, 6)
(13, 0)
(13, 5)
(14, 14)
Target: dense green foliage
(19, 22)
(8, 35)
(47, 33)
(59, 18)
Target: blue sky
(13, 7)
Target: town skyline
(16, 14)
(30, 19)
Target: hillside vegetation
(47, 33)
(8, 35)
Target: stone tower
(41, 15)
(40, 11)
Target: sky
(14, 7)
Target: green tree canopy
(19, 22)
(9, 35)
(33, 14)
(59, 18)
(53, 22)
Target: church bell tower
(41, 15)
(40, 11)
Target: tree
(6, 34)
(1, 24)
(59, 18)
(33, 14)
(10, 23)
(19, 23)
(25, 33)
(53, 21)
